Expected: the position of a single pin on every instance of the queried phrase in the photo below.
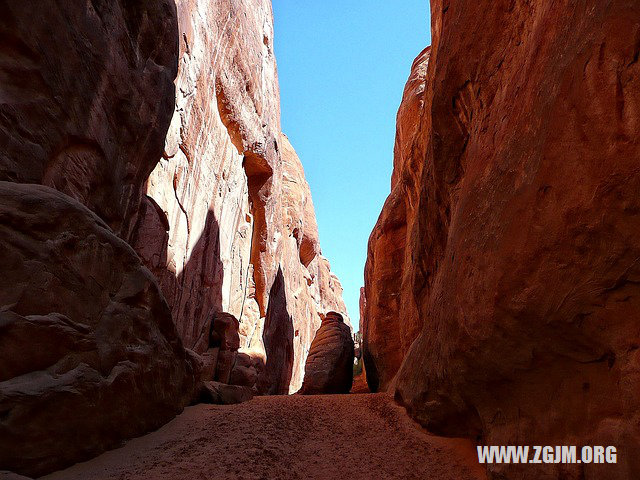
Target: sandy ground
(317, 437)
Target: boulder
(223, 394)
(243, 376)
(89, 354)
(329, 366)
(247, 369)
(224, 332)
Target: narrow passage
(365, 436)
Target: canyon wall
(523, 237)
(386, 302)
(89, 353)
(86, 96)
(107, 165)
(228, 222)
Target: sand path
(296, 437)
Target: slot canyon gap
(163, 270)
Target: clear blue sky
(342, 67)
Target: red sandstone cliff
(228, 206)
(391, 317)
(524, 234)
(194, 175)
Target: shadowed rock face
(329, 367)
(278, 342)
(89, 354)
(525, 246)
(86, 95)
(224, 332)
(227, 224)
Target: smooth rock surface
(525, 250)
(89, 354)
(329, 366)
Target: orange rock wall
(524, 243)
(391, 320)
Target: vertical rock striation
(229, 225)
(208, 232)
(525, 239)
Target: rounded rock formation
(89, 354)
(329, 366)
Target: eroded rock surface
(224, 368)
(329, 366)
(195, 176)
(525, 243)
(86, 98)
(228, 207)
(89, 354)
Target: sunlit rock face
(229, 224)
(312, 290)
(525, 244)
(210, 209)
